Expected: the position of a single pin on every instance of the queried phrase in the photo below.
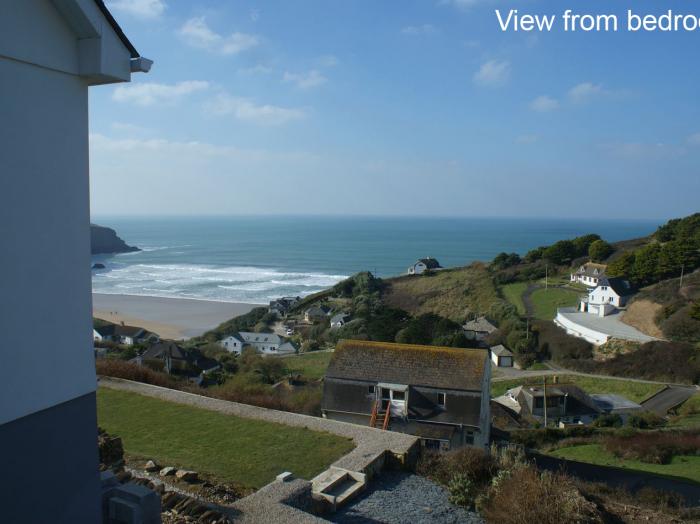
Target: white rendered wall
(45, 302)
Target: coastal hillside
(104, 240)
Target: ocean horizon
(254, 259)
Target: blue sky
(384, 107)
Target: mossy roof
(414, 365)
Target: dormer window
(441, 399)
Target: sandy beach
(175, 318)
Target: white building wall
(592, 336)
(44, 204)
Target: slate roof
(501, 351)
(340, 317)
(260, 338)
(160, 349)
(591, 269)
(117, 330)
(481, 325)
(430, 263)
(430, 366)
(619, 285)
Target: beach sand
(173, 318)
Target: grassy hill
(451, 293)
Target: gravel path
(403, 497)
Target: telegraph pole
(546, 276)
(544, 382)
(680, 285)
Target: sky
(411, 107)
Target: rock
(167, 471)
(111, 449)
(105, 240)
(151, 466)
(186, 475)
(97, 265)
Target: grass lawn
(546, 301)
(230, 449)
(513, 293)
(635, 391)
(688, 414)
(312, 365)
(683, 466)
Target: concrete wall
(592, 336)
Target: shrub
(654, 448)
(462, 490)
(681, 325)
(562, 348)
(609, 420)
(645, 420)
(473, 462)
(130, 371)
(599, 250)
(526, 496)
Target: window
(441, 399)
(398, 395)
(469, 438)
(370, 390)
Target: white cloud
(544, 104)
(151, 93)
(526, 139)
(694, 140)
(198, 34)
(493, 73)
(146, 9)
(305, 80)
(584, 91)
(327, 61)
(247, 110)
(414, 30)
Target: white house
(120, 334)
(51, 52)
(339, 320)
(317, 313)
(589, 274)
(608, 295)
(501, 356)
(264, 343)
(478, 329)
(422, 265)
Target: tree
(599, 250)
(561, 252)
(582, 243)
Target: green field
(513, 293)
(546, 301)
(635, 391)
(311, 365)
(246, 452)
(683, 466)
(688, 414)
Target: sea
(256, 259)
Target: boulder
(151, 466)
(186, 475)
(97, 265)
(167, 471)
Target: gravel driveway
(403, 497)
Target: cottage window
(441, 399)
(469, 438)
(370, 390)
(398, 395)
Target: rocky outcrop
(105, 240)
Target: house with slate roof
(608, 295)
(564, 403)
(478, 329)
(501, 356)
(264, 343)
(423, 264)
(589, 274)
(440, 394)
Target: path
(668, 398)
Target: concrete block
(285, 477)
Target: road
(668, 398)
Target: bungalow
(589, 274)
(339, 320)
(173, 359)
(501, 356)
(122, 334)
(317, 313)
(478, 329)
(281, 306)
(440, 394)
(558, 403)
(264, 343)
(616, 405)
(422, 265)
(609, 294)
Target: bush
(654, 448)
(609, 420)
(681, 325)
(130, 371)
(562, 348)
(462, 490)
(473, 462)
(526, 496)
(599, 250)
(645, 420)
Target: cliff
(105, 240)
